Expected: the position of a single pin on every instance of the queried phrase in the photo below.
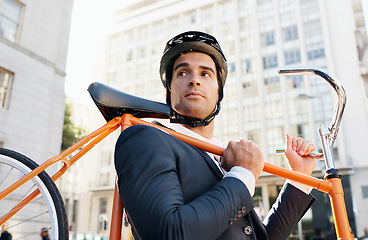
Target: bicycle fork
(336, 193)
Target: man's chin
(192, 115)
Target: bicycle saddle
(114, 103)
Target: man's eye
(182, 73)
(206, 74)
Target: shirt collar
(181, 129)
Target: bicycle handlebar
(337, 86)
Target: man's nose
(194, 81)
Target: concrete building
(34, 37)
(257, 36)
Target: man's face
(4, 227)
(194, 86)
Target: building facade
(34, 37)
(257, 36)
(33, 47)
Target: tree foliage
(71, 132)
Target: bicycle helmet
(192, 41)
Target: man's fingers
(310, 148)
(289, 141)
(303, 147)
(299, 144)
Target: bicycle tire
(47, 210)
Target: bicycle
(122, 110)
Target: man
(172, 190)
(318, 234)
(331, 235)
(45, 234)
(5, 235)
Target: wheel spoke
(45, 210)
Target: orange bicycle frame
(331, 186)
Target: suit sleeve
(151, 191)
(289, 208)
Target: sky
(90, 22)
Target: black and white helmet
(192, 41)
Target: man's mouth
(193, 94)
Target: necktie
(218, 160)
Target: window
(297, 81)
(317, 53)
(232, 67)
(10, 16)
(246, 65)
(365, 191)
(246, 85)
(129, 55)
(104, 179)
(192, 17)
(6, 78)
(292, 56)
(270, 61)
(300, 131)
(257, 201)
(290, 33)
(268, 38)
(103, 220)
(103, 205)
(75, 210)
(141, 52)
(271, 80)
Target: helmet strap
(178, 118)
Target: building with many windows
(257, 36)
(34, 37)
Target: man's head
(4, 227)
(318, 232)
(44, 232)
(194, 86)
(181, 46)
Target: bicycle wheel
(45, 211)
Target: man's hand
(245, 154)
(297, 152)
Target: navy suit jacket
(172, 190)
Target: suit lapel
(211, 164)
(205, 156)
